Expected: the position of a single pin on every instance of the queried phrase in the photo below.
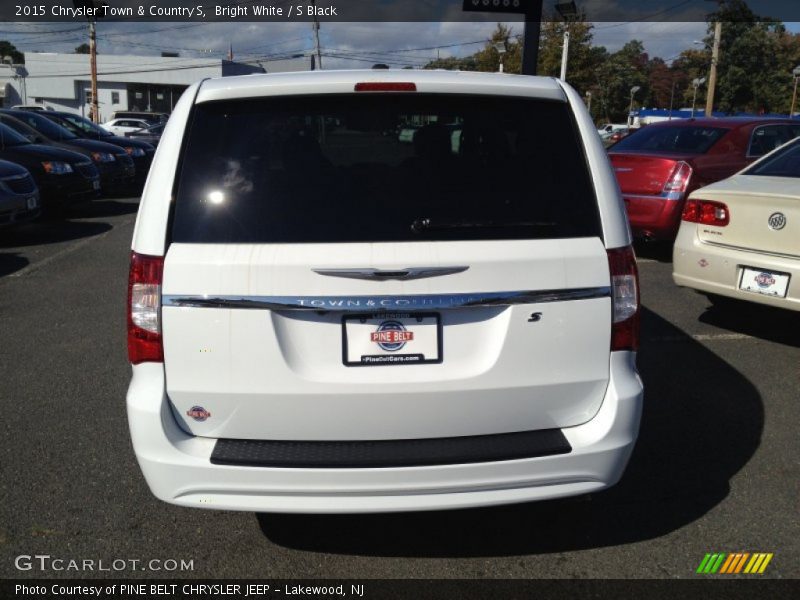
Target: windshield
(679, 139)
(402, 167)
(27, 132)
(784, 163)
(10, 138)
(44, 126)
(85, 125)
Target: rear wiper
(420, 225)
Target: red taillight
(624, 299)
(679, 178)
(144, 309)
(386, 86)
(707, 212)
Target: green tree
(488, 58)
(621, 71)
(757, 56)
(82, 49)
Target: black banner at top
(383, 10)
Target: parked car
(611, 128)
(740, 238)
(31, 107)
(63, 177)
(612, 137)
(306, 337)
(113, 163)
(151, 134)
(658, 166)
(19, 196)
(122, 126)
(151, 117)
(140, 152)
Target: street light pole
(634, 89)
(530, 40)
(564, 56)
(696, 83)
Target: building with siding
(141, 83)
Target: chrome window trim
(383, 303)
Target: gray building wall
(62, 81)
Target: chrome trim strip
(405, 274)
(670, 196)
(384, 303)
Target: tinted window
(351, 168)
(677, 139)
(9, 137)
(784, 163)
(44, 126)
(768, 137)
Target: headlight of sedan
(134, 151)
(103, 157)
(55, 167)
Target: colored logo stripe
(735, 562)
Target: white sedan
(123, 126)
(740, 238)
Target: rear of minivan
(325, 319)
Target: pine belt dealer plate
(768, 283)
(391, 339)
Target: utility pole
(95, 111)
(316, 37)
(712, 76)
(94, 9)
(796, 75)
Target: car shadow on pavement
(658, 251)
(51, 231)
(106, 207)
(702, 422)
(11, 262)
(756, 320)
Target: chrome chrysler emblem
(776, 221)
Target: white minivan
(325, 319)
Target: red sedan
(658, 166)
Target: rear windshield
(383, 167)
(784, 163)
(677, 139)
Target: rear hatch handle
(406, 274)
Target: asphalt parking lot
(716, 468)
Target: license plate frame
(413, 321)
(748, 282)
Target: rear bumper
(717, 270)
(654, 217)
(178, 467)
